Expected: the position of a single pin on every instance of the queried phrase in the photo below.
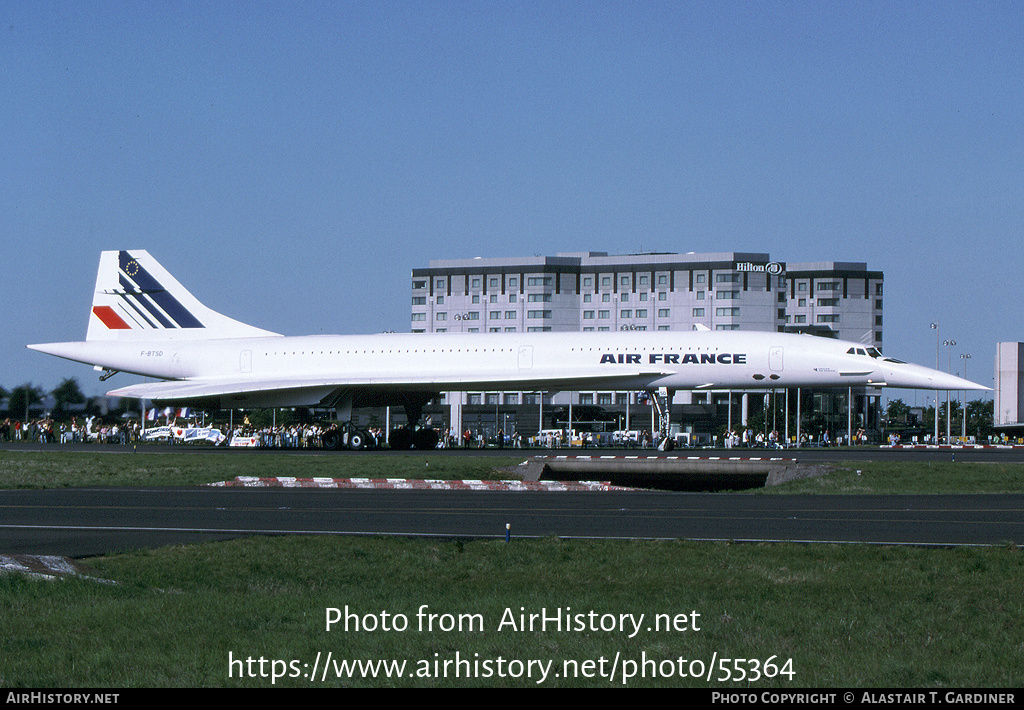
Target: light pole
(949, 369)
(935, 327)
(965, 357)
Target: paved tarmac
(82, 522)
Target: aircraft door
(775, 359)
(525, 357)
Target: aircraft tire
(330, 439)
(425, 439)
(400, 438)
(357, 440)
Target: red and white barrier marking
(418, 484)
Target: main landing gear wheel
(356, 440)
(400, 438)
(405, 438)
(424, 439)
(331, 439)
(344, 436)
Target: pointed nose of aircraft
(911, 376)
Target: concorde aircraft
(146, 323)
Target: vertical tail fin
(137, 299)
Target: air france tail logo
(676, 358)
(143, 302)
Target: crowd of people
(90, 429)
(79, 429)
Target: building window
(698, 312)
(440, 316)
(727, 278)
(664, 312)
(588, 315)
(419, 284)
(828, 318)
(539, 298)
(538, 281)
(604, 314)
(727, 295)
(727, 312)
(419, 316)
(828, 302)
(641, 313)
(538, 314)
(494, 315)
(510, 315)
(419, 300)
(625, 314)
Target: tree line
(28, 401)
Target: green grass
(845, 615)
(895, 476)
(26, 469)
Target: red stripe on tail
(110, 318)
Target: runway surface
(85, 522)
(81, 522)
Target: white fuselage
(525, 361)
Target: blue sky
(292, 162)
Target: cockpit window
(875, 353)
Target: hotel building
(656, 291)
